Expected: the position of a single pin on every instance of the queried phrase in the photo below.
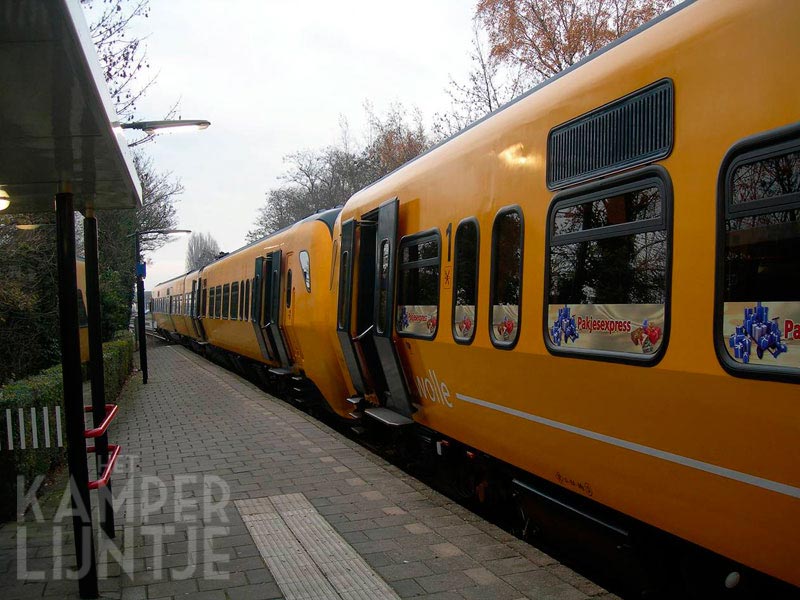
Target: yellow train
(596, 285)
(83, 321)
(266, 303)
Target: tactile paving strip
(308, 559)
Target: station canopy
(57, 123)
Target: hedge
(46, 389)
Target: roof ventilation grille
(633, 130)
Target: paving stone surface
(198, 438)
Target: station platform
(226, 493)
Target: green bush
(46, 389)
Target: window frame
(306, 271)
(218, 302)
(247, 299)
(409, 239)
(499, 344)
(634, 180)
(289, 288)
(343, 297)
(381, 279)
(234, 304)
(226, 300)
(474, 221)
(749, 149)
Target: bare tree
(122, 55)
(203, 249)
(160, 191)
(489, 84)
(321, 179)
(547, 36)
(394, 138)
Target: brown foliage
(547, 36)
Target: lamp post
(150, 128)
(141, 273)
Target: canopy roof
(57, 123)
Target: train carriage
(257, 305)
(164, 305)
(595, 286)
(580, 285)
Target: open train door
(265, 311)
(366, 277)
(257, 318)
(272, 309)
(396, 395)
(201, 301)
(194, 304)
(345, 309)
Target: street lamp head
(153, 127)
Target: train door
(288, 310)
(266, 308)
(367, 276)
(172, 306)
(200, 306)
(344, 315)
(397, 397)
(194, 301)
(257, 315)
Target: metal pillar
(140, 310)
(96, 364)
(73, 396)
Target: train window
(506, 278)
(247, 299)
(757, 323)
(607, 269)
(383, 285)
(418, 286)
(218, 302)
(289, 288)
(204, 309)
(235, 300)
(226, 299)
(465, 281)
(305, 264)
(241, 300)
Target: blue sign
(141, 270)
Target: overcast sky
(274, 77)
